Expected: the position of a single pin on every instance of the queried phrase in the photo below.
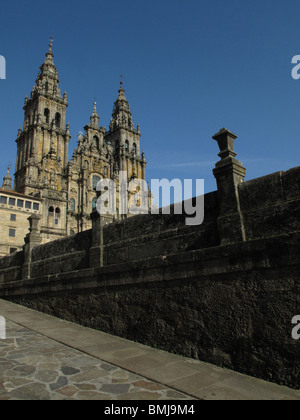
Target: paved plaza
(45, 358)
(35, 367)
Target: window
(72, 205)
(134, 148)
(13, 217)
(51, 211)
(12, 201)
(57, 213)
(96, 142)
(72, 233)
(117, 146)
(127, 145)
(3, 200)
(12, 233)
(36, 206)
(13, 250)
(56, 221)
(47, 115)
(96, 179)
(20, 203)
(57, 120)
(94, 204)
(28, 205)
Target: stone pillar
(32, 239)
(143, 164)
(96, 254)
(229, 173)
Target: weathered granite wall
(230, 305)
(64, 255)
(271, 205)
(148, 236)
(224, 292)
(11, 268)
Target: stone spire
(47, 82)
(44, 140)
(121, 116)
(95, 117)
(7, 185)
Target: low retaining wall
(229, 305)
(224, 292)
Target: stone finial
(68, 128)
(225, 139)
(34, 220)
(228, 162)
(143, 157)
(49, 54)
(95, 117)
(229, 174)
(7, 181)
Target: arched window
(72, 205)
(96, 142)
(127, 145)
(72, 233)
(51, 211)
(47, 115)
(96, 179)
(134, 148)
(94, 204)
(57, 213)
(57, 120)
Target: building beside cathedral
(63, 192)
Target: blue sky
(189, 68)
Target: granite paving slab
(34, 367)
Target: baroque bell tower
(42, 144)
(42, 150)
(125, 138)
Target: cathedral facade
(65, 188)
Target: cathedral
(63, 192)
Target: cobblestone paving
(33, 367)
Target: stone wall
(230, 305)
(224, 292)
(271, 205)
(61, 256)
(148, 236)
